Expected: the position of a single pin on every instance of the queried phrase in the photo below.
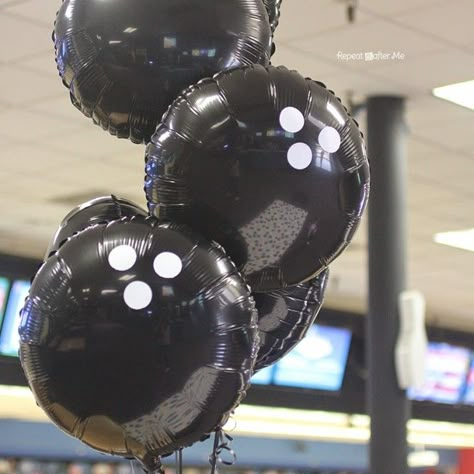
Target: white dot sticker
(167, 265)
(291, 119)
(329, 139)
(137, 295)
(300, 156)
(122, 258)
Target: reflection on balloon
(285, 316)
(138, 338)
(125, 61)
(102, 209)
(267, 163)
(273, 8)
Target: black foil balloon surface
(267, 163)
(273, 8)
(285, 316)
(125, 61)
(99, 210)
(138, 338)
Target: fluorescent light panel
(461, 239)
(285, 423)
(423, 459)
(461, 93)
(321, 426)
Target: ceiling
(50, 152)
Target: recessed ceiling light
(461, 239)
(461, 93)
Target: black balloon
(285, 316)
(267, 163)
(138, 338)
(125, 61)
(273, 8)
(96, 211)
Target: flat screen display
(445, 374)
(9, 339)
(4, 286)
(318, 362)
(468, 397)
(264, 376)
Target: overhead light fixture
(461, 93)
(423, 459)
(461, 239)
(18, 403)
(269, 422)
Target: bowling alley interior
(236, 237)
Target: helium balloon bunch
(142, 329)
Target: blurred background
(306, 414)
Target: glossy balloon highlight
(273, 8)
(138, 338)
(95, 211)
(124, 61)
(267, 163)
(285, 316)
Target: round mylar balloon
(267, 163)
(99, 210)
(284, 317)
(125, 61)
(273, 8)
(138, 338)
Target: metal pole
(388, 406)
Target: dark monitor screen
(445, 374)
(318, 362)
(9, 339)
(4, 286)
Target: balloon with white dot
(291, 120)
(137, 295)
(300, 156)
(329, 139)
(122, 258)
(167, 265)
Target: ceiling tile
(418, 148)
(4, 141)
(305, 63)
(91, 142)
(44, 64)
(425, 72)
(301, 18)
(60, 106)
(23, 88)
(386, 7)
(9, 3)
(25, 126)
(352, 82)
(22, 39)
(42, 12)
(451, 21)
(373, 37)
(451, 135)
(428, 110)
